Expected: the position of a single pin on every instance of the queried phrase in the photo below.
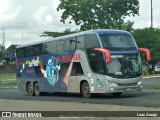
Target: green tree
(149, 38)
(57, 34)
(128, 26)
(1, 56)
(98, 14)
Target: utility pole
(22, 38)
(151, 15)
(3, 39)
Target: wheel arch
(81, 83)
(35, 82)
(27, 83)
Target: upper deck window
(118, 41)
(91, 41)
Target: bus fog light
(111, 89)
(140, 82)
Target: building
(9, 54)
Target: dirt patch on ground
(8, 68)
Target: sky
(23, 21)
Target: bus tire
(37, 89)
(85, 90)
(117, 94)
(30, 90)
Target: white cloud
(10, 17)
(48, 18)
(4, 5)
(39, 15)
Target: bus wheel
(85, 90)
(30, 89)
(37, 89)
(117, 94)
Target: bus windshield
(118, 41)
(124, 66)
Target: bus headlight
(140, 82)
(113, 83)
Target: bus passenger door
(98, 67)
(76, 75)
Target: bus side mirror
(107, 53)
(147, 52)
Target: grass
(8, 85)
(7, 76)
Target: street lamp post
(151, 15)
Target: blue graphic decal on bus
(47, 67)
(52, 70)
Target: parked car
(157, 67)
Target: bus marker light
(111, 89)
(92, 88)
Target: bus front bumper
(124, 85)
(125, 89)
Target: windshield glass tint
(124, 66)
(112, 41)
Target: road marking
(151, 77)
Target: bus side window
(38, 49)
(65, 45)
(44, 48)
(91, 41)
(49, 48)
(59, 45)
(80, 42)
(77, 69)
(30, 51)
(72, 43)
(98, 66)
(20, 53)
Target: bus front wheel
(37, 89)
(85, 90)
(30, 89)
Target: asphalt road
(149, 97)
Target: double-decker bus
(94, 61)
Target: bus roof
(98, 31)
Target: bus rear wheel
(30, 89)
(37, 89)
(85, 90)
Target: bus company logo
(6, 114)
(69, 58)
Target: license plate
(129, 89)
